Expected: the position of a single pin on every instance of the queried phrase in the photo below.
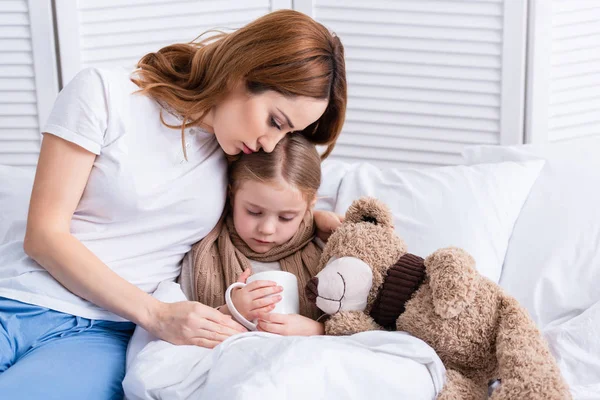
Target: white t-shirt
(143, 206)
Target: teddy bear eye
(370, 220)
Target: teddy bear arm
(459, 387)
(349, 323)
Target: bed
(530, 215)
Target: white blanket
(257, 365)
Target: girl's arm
(61, 176)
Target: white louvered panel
(574, 75)
(425, 78)
(120, 32)
(19, 126)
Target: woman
(119, 197)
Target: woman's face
(245, 122)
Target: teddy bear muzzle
(343, 285)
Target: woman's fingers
(228, 324)
(203, 342)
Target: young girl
(268, 226)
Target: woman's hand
(326, 222)
(289, 325)
(190, 322)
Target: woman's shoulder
(91, 80)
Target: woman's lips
(247, 150)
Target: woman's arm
(326, 222)
(61, 176)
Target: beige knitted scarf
(219, 258)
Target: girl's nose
(267, 227)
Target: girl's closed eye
(286, 218)
(253, 213)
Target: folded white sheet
(382, 365)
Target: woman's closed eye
(275, 124)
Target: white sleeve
(80, 112)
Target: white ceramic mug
(289, 303)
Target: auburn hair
(295, 161)
(285, 51)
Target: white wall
(425, 78)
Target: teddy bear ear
(371, 210)
(453, 280)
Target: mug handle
(234, 312)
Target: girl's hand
(326, 222)
(256, 297)
(190, 322)
(289, 325)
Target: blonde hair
(285, 51)
(294, 160)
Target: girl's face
(267, 214)
(243, 122)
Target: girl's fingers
(264, 302)
(242, 278)
(271, 328)
(262, 310)
(259, 284)
(264, 292)
(273, 318)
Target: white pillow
(15, 191)
(469, 207)
(552, 263)
(332, 172)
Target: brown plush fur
(479, 332)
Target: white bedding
(576, 347)
(381, 365)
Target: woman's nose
(268, 142)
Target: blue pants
(45, 354)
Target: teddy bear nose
(312, 289)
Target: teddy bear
(368, 281)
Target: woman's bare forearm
(84, 274)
